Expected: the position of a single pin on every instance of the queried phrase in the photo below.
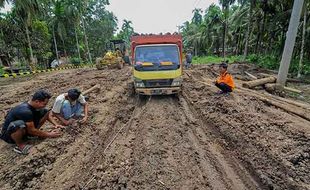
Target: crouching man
(70, 106)
(225, 81)
(25, 120)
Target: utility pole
(290, 42)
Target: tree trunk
(224, 8)
(9, 63)
(247, 36)
(77, 44)
(236, 45)
(29, 46)
(65, 51)
(302, 42)
(86, 41)
(260, 34)
(55, 44)
(290, 41)
(224, 39)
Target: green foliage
(40, 38)
(268, 62)
(216, 59)
(1, 70)
(100, 25)
(75, 61)
(53, 24)
(126, 31)
(231, 27)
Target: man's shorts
(14, 125)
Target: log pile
(269, 83)
(290, 106)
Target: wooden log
(295, 80)
(270, 87)
(295, 103)
(292, 90)
(289, 108)
(270, 96)
(258, 82)
(266, 75)
(273, 87)
(302, 111)
(96, 87)
(250, 75)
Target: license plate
(156, 92)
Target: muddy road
(198, 140)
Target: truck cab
(157, 64)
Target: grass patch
(1, 70)
(214, 59)
(271, 62)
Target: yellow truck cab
(157, 64)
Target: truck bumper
(158, 91)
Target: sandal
(24, 150)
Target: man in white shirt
(68, 106)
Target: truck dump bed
(156, 39)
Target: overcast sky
(155, 16)
(6, 8)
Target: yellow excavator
(115, 56)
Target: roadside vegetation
(250, 30)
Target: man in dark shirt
(188, 58)
(26, 119)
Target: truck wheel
(121, 65)
(131, 89)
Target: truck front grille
(157, 83)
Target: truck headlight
(176, 82)
(139, 84)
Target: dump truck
(157, 64)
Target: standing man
(225, 81)
(188, 58)
(70, 106)
(25, 121)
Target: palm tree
(127, 30)
(249, 24)
(26, 10)
(197, 18)
(73, 13)
(192, 36)
(225, 9)
(57, 23)
(2, 3)
(56, 13)
(211, 27)
(303, 41)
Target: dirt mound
(198, 140)
(272, 144)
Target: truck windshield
(150, 58)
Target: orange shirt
(227, 79)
